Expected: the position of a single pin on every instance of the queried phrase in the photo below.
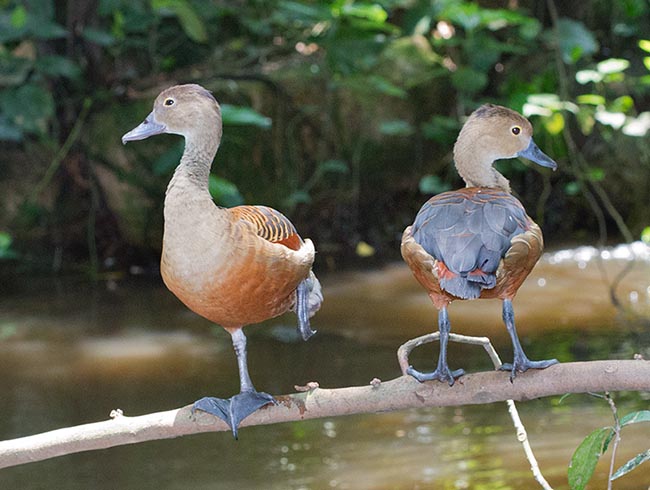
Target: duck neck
(477, 169)
(193, 171)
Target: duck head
(188, 110)
(492, 133)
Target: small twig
(522, 436)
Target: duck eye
(168, 102)
(515, 130)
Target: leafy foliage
(380, 88)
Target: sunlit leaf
(644, 44)
(373, 12)
(637, 126)
(554, 124)
(591, 99)
(613, 119)
(584, 459)
(224, 192)
(646, 62)
(635, 417)
(364, 249)
(396, 128)
(645, 235)
(243, 116)
(612, 65)
(631, 464)
(621, 104)
(576, 41)
(584, 77)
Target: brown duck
(478, 242)
(234, 266)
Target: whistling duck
(234, 266)
(478, 242)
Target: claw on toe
(439, 374)
(523, 365)
(235, 409)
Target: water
(71, 352)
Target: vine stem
(617, 437)
(522, 436)
(63, 151)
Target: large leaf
(584, 460)
(224, 192)
(58, 66)
(631, 464)
(28, 107)
(243, 116)
(576, 41)
(190, 21)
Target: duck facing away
(478, 242)
(234, 266)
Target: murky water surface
(70, 352)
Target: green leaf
(168, 161)
(646, 62)
(190, 21)
(644, 44)
(396, 128)
(9, 131)
(332, 166)
(19, 17)
(99, 37)
(612, 65)
(468, 80)
(576, 41)
(641, 415)
(432, 184)
(591, 99)
(554, 123)
(385, 87)
(243, 116)
(584, 459)
(645, 235)
(29, 107)
(596, 174)
(224, 192)
(58, 66)
(631, 464)
(372, 12)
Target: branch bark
(398, 394)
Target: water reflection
(72, 353)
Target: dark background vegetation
(342, 114)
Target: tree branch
(398, 394)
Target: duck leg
(442, 372)
(248, 400)
(521, 362)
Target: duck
(233, 266)
(478, 242)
